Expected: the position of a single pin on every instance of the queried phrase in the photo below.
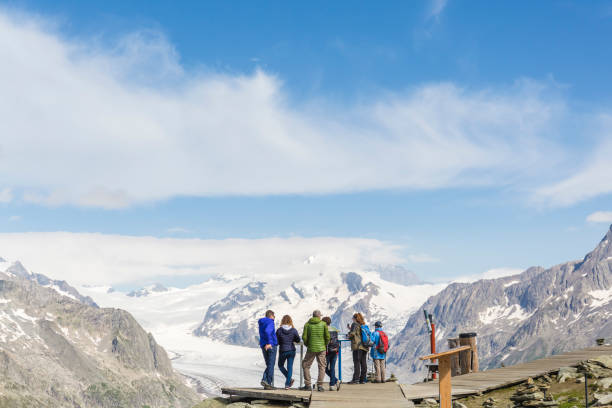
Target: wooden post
(455, 368)
(469, 359)
(444, 367)
(464, 357)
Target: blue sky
(476, 135)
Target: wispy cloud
(494, 273)
(600, 216)
(436, 8)
(115, 259)
(127, 124)
(14, 218)
(590, 179)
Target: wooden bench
(444, 368)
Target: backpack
(383, 343)
(366, 336)
(334, 344)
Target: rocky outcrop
(518, 318)
(62, 287)
(155, 288)
(532, 395)
(57, 351)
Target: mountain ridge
(518, 318)
(79, 355)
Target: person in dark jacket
(287, 335)
(268, 344)
(332, 355)
(360, 352)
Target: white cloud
(494, 273)
(591, 179)
(115, 126)
(6, 195)
(84, 258)
(600, 216)
(110, 126)
(422, 258)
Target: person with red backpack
(379, 351)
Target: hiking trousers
(270, 358)
(307, 363)
(330, 368)
(286, 356)
(379, 368)
(360, 365)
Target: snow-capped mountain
(233, 319)
(16, 269)
(156, 287)
(518, 318)
(59, 349)
(223, 311)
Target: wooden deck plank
(277, 395)
(394, 395)
(489, 380)
(361, 395)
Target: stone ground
(568, 394)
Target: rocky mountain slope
(233, 318)
(523, 317)
(58, 349)
(60, 286)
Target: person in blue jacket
(378, 356)
(268, 344)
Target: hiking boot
(320, 388)
(264, 384)
(338, 385)
(269, 387)
(305, 388)
(291, 383)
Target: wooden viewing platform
(394, 395)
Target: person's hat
(378, 324)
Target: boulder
(213, 403)
(603, 399)
(240, 405)
(605, 383)
(594, 369)
(604, 361)
(528, 397)
(566, 373)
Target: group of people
(322, 344)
